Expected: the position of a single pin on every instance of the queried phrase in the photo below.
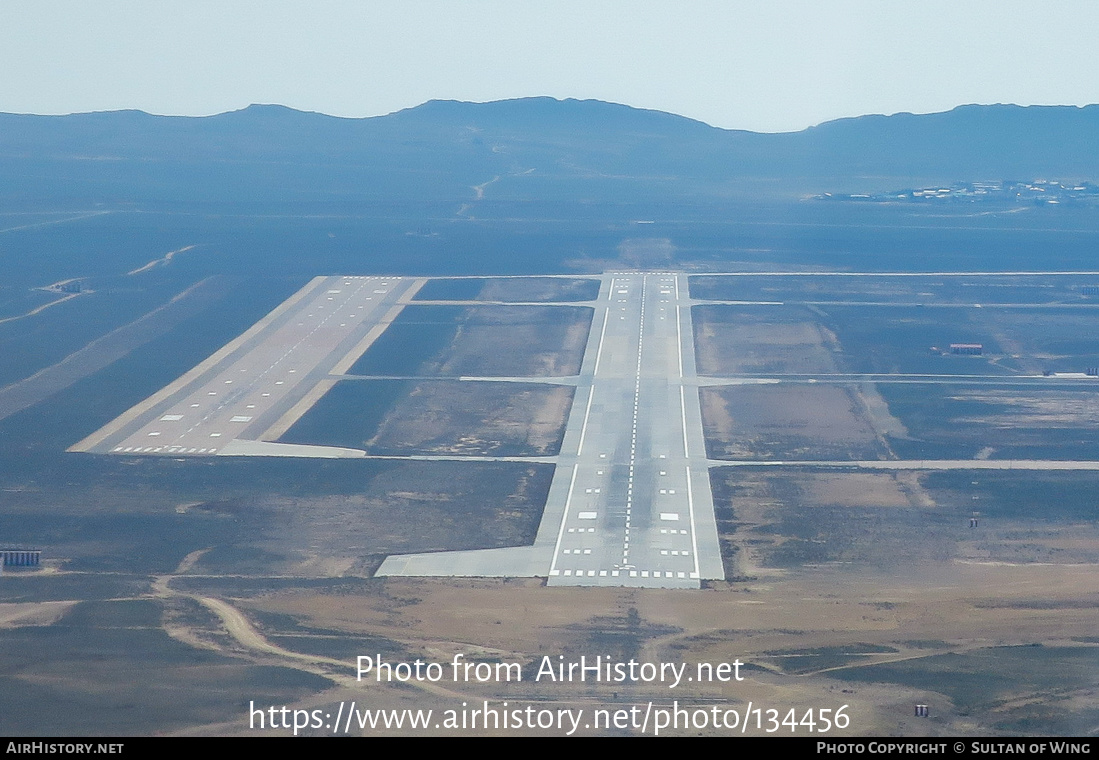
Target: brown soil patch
(787, 422)
(765, 339)
(486, 418)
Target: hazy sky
(769, 65)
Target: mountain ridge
(441, 148)
(439, 104)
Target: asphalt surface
(246, 389)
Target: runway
(632, 485)
(630, 501)
(254, 388)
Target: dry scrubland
(870, 589)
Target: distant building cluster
(960, 349)
(1039, 191)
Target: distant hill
(542, 149)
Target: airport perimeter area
(677, 388)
